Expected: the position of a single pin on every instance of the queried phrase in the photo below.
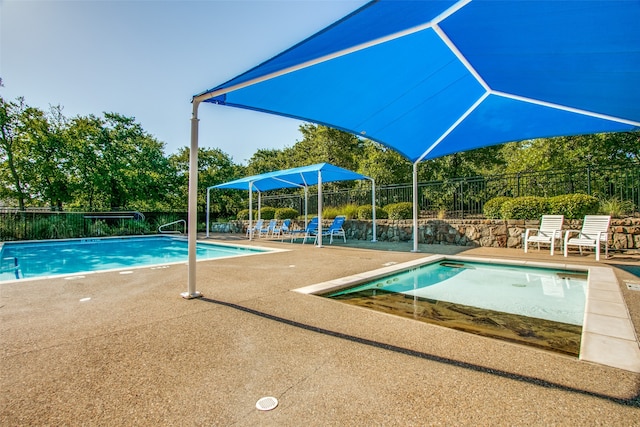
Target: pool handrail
(161, 231)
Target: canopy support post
(415, 207)
(306, 206)
(250, 229)
(319, 209)
(193, 206)
(208, 201)
(373, 210)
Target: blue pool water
(555, 295)
(47, 258)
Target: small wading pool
(534, 306)
(37, 259)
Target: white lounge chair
(595, 230)
(550, 230)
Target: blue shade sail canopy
(431, 78)
(300, 177)
(304, 176)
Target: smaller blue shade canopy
(434, 77)
(304, 176)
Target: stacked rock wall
(624, 234)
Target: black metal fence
(40, 224)
(465, 197)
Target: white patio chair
(550, 230)
(595, 230)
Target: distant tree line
(110, 162)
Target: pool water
(535, 306)
(48, 258)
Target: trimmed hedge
(528, 207)
(573, 206)
(286, 213)
(491, 208)
(366, 212)
(267, 212)
(402, 210)
(243, 215)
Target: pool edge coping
(608, 335)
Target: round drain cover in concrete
(267, 403)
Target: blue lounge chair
(283, 229)
(255, 229)
(335, 229)
(308, 232)
(265, 231)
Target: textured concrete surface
(126, 349)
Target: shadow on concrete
(631, 402)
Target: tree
(322, 144)
(48, 174)
(268, 160)
(214, 167)
(384, 165)
(13, 149)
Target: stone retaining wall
(624, 233)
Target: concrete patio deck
(123, 348)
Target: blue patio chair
(283, 229)
(335, 229)
(265, 231)
(308, 232)
(255, 229)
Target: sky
(147, 58)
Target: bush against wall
(286, 213)
(402, 210)
(267, 212)
(491, 208)
(573, 206)
(528, 207)
(366, 212)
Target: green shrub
(615, 207)
(491, 208)
(267, 212)
(402, 210)
(366, 212)
(350, 211)
(286, 213)
(573, 206)
(331, 212)
(528, 207)
(243, 215)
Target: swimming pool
(535, 306)
(555, 295)
(25, 260)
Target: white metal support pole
(415, 207)
(319, 209)
(250, 229)
(373, 209)
(208, 201)
(193, 206)
(306, 206)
